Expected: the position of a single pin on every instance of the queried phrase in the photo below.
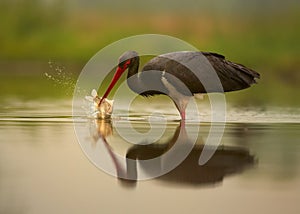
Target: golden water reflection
(227, 160)
(43, 170)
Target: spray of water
(61, 77)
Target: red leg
(181, 106)
(182, 114)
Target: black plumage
(180, 75)
(232, 76)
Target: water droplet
(61, 77)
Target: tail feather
(233, 76)
(250, 76)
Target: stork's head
(125, 60)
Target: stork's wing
(202, 72)
(233, 76)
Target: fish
(102, 111)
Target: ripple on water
(61, 111)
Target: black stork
(166, 74)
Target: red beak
(116, 77)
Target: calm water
(43, 169)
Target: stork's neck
(133, 67)
(133, 80)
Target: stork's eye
(127, 62)
(124, 64)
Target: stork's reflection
(225, 161)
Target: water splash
(61, 77)
(97, 110)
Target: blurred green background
(263, 35)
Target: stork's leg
(181, 105)
(182, 114)
(181, 100)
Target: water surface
(43, 169)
